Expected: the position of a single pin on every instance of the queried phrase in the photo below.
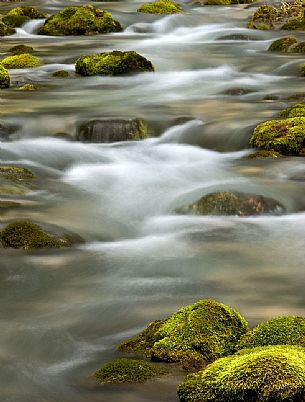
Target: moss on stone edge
(84, 20)
(21, 61)
(160, 7)
(27, 235)
(21, 49)
(297, 110)
(126, 371)
(112, 63)
(28, 88)
(5, 80)
(271, 373)
(264, 154)
(284, 136)
(16, 174)
(6, 30)
(20, 15)
(282, 44)
(286, 330)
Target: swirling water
(63, 313)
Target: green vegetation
(283, 44)
(6, 30)
(302, 69)
(264, 154)
(61, 74)
(20, 49)
(28, 87)
(268, 374)
(112, 63)
(84, 20)
(5, 80)
(16, 174)
(297, 110)
(21, 61)
(126, 371)
(20, 15)
(160, 7)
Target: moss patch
(28, 88)
(15, 173)
(264, 154)
(84, 20)
(5, 30)
(112, 63)
(283, 44)
(297, 110)
(21, 61)
(5, 80)
(20, 15)
(160, 7)
(61, 74)
(269, 374)
(20, 49)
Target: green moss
(264, 154)
(61, 74)
(229, 203)
(84, 20)
(112, 63)
(283, 44)
(16, 189)
(297, 110)
(160, 7)
(21, 61)
(19, 15)
(126, 371)
(219, 2)
(286, 330)
(294, 23)
(6, 30)
(28, 88)
(297, 48)
(5, 80)
(20, 49)
(268, 374)
(16, 174)
(284, 136)
(265, 15)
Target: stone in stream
(61, 74)
(112, 130)
(21, 49)
(28, 88)
(5, 30)
(282, 44)
(15, 180)
(160, 7)
(112, 63)
(5, 129)
(20, 15)
(84, 20)
(233, 203)
(24, 60)
(266, 374)
(5, 80)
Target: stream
(63, 312)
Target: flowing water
(63, 313)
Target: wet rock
(28, 88)
(21, 61)
(84, 20)
(21, 49)
(160, 7)
(20, 15)
(5, 30)
(238, 91)
(112, 63)
(5, 80)
(15, 180)
(6, 130)
(264, 154)
(233, 203)
(61, 74)
(112, 130)
(297, 48)
(236, 36)
(283, 44)
(63, 136)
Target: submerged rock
(271, 373)
(160, 7)
(21, 49)
(126, 371)
(20, 15)
(84, 20)
(5, 30)
(61, 74)
(24, 60)
(15, 180)
(112, 63)
(5, 80)
(233, 203)
(112, 130)
(283, 44)
(15, 173)
(264, 154)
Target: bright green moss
(61, 74)
(15, 173)
(84, 20)
(282, 44)
(297, 110)
(112, 63)
(284, 136)
(20, 49)
(28, 88)
(268, 374)
(287, 330)
(6, 30)
(160, 7)
(5, 80)
(21, 61)
(126, 371)
(19, 15)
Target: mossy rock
(194, 335)
(219, 2)
(282, 44)
(297, 110)
(61, 74)
(122, 371)
(16, 174)
(264, 154)
(84, 20)
(297, 48)
(5, 30)
(267, 374)
(286, 330)
(294, 24)
(233, 203)
(112, 63)
(266, 16)
(160, 7)
(21, 49)
(284, 136)
(28, 88)
(114, 130)
(302, 70)
(5, 80)
(25, 60)
(15, 180)
(27, 235)
(20, 15)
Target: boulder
(160, 7)
(5, 30)
(24, 60)
(20, 15)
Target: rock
(15, 173)
(192, 336)
(28, 87)
(286, 330)
(264, 154)
(233, 203)
(297, 48)
(21, 49)
(112, 63)
(236, 36)
(297, 110)
(271, 373)
(15, 180)
(302, 69)
(160, 7)
(61, 74)
(5, 80)
(238, 91)
(21, 61)
(112, 130)
(6, 30)
(63, 136)
(6, 130)
(283, 44)
(20, 15)
(126, 371)
(84, 20)
(284, 136)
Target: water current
(63, 313)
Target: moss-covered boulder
(282, 44)
(286, 330)
(297, 48)
(15, 173)
(21, 49)
(5, 30)
(21, 61)
(20, 15)
(61, 74)
(28, 88)
(126, 371)
(160, 7)
(113, 130)
(194, 335)
(268, 374)
(5, 80)
(84, 20)
(112, 63)
(15, 180)
(284, 136)
(233, 203)
(297, 110)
